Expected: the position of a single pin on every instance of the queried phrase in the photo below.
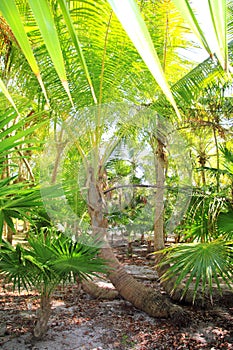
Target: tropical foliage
(201, 265)
(17, 143)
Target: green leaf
(11, 14)
(48, 259)
(218, 10)
(225, 224)
(188, 14)
(49, 33)
(1, 224)
(131, 19)
(9, 221)
(18, 138)
(199, 264)
(76, 42)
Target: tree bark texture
(142, 297)
(99, 292)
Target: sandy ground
(81, 322)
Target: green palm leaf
(200, 265)
(131, 19)
(218, 23)
(225, 224)
(14, 267)
(17, 200)
(218, 10)
(188, 14)
(77, 44)
(64, 256)
(49, 259)
(11, 14)
(49, 33)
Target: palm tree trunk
(44, 314)
(142, 297)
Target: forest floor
(80, 322)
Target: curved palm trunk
(142, 297)
(146, 299)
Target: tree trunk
(142, 297)
(9, 234)
(44, 314)
(161, 165)
(99, 292)
(159, 196)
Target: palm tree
(97, 52)
(48, 259)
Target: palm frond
(48, 259)
(216, 16)
(12, 16)
(199, 265)
(4, 89)
(14, 267)
(137, 30)
(225, 224)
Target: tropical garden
(116, 126)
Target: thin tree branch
(183, 189)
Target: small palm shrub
(49, 259)
(199, 265)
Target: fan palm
(198, 265)
(48, 259)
